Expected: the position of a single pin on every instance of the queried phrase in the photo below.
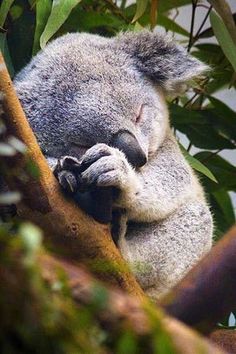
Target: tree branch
(68, 228)
(207, 293)
(121, 307)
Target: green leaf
(197, 165)
(224, 38)
(140, 9)
(224, 171)
(203, 128)
(43, 9)
(171, 25)
(224, 201)
(225, 117)
(20, 36)
(223, 212)
(61, 9)
(127, 343)
(209, 31)
(5, 52)
(4, 9)
(91, 21)
(165, 6)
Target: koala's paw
(66, 173)
(105, 166)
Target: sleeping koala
(97, 107)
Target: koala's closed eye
(139, 115)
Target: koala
(97, 107)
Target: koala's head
(84, 89)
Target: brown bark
(123, 307)
(207, 293)
(68, 228)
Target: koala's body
(102, 101)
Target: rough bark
(71, 231)
(207, 293)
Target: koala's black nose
(126, 142)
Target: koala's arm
(164, 184)
(161, 253)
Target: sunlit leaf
(4, 9)
(224, 38)
(59, 13)
(141, 7)
(197, 165)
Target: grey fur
(83, 89)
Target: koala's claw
(68, 181)
(68, 163)
(65, 172)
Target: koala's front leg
(96, 179)
(97, 202)
(161, 253)
(105, 166)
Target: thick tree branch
(207, 293)
(68, 228)
(121, 307)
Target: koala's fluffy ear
(160, 59)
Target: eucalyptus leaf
(59, 13)
(224, 38)
(197, 165)
(5, 52)
(141, 7)
(4, 9)
(171, 25)
(223, 212)
(43, 10)
(224, 171)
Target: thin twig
(153, 13)
(116, 10)
(194, 6)
(195, 38)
